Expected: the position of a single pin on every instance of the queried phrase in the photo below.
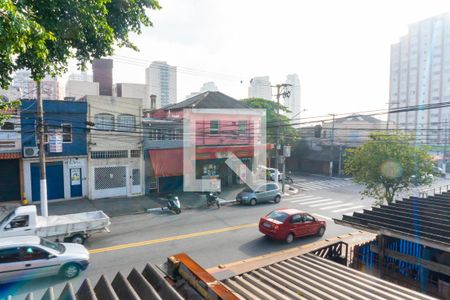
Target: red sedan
(289, 223)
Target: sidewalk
(120, 206)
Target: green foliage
(387, 164)
(273, 119)
(43, 36)
(7, 109)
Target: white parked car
(75, 228)
(29, 257)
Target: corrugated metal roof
(420, 219)
(150, 284)
(312, 277)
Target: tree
(43, 36)
(273, 119)
(387, 164)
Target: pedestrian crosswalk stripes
(302, 197)
(322, 184)
(338, 205)
(350, 208)
(317, 201)
(306, 199)
(327, 203)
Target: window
(18, 222)
(33, 253)
(154, 135)
(10, 255)
(214, 127)
(104, 121)
(308, 218)
(8, 126)
(48, 129)
(135, 153)
(126, 123)
(242, 127)
(109, 154)
(278, 216)
(296, 219)
(272, 187)
(67, 133)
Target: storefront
(166, 167)
(10, 173)
(66, 178)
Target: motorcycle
(173, 204)
(212, 199)
(288, 178)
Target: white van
(29, 257)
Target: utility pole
(332, 146)
(43, 175)
(285, 94)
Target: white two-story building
(115, 156)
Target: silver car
(266, 192)
(29, 257)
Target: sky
(339, 49)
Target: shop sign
(74, 163)
(55, 142)
(75, 176)
(224, 154)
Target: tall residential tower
(162, 79)
(293, 102)
(260, 88)
(420, 75)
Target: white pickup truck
(75, 228)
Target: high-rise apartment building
(50, 88)
(420, 75)
(293, 101)
(82, 76)
(103, 74)
(162, 79)
(260, 87)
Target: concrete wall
(79, 89)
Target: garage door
(110, 182)
(55, 181)
(9, 180)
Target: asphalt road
(210, 236)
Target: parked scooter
(212, 199)
(173, 204)
(288, 178)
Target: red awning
(167, 162)
(13, 155)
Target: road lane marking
(171, 238)
(328, 203)
(348, 208)
(307, 200)
(338, 205)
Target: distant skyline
(339, 49)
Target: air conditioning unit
(30, 151)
